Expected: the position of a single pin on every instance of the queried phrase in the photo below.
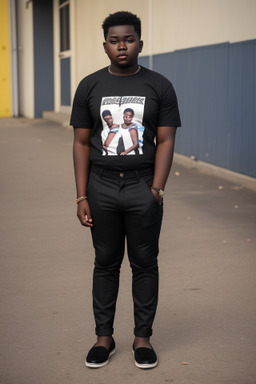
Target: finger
(88, 219)
(157, 197)
(85, 219)
(85, 222)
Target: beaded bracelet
(81, 199)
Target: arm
(135, 141)
(81, 156)
(108, 140)
(164, 157)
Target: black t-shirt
(124, 113)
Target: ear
(104, 46)
(140, 46)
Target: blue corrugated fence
(216, 89)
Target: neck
(113, 70)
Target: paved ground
(205, 327)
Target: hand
(156, 195)
(84, 213)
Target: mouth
(122, 56)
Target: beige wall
(181, 24)
(89, 38)
(176, 24)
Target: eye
(113, 41)
(129, 41)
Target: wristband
(159, 191)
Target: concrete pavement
(204, 332)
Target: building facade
(207, 48)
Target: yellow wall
(5, 79)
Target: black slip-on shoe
(145, 358)
(99, 356)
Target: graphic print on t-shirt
(122, 132)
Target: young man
(120, 197)
(112, 129)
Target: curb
(233, 177)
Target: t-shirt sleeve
(169, 111)
(114, 130)
(80, 115)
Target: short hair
(122, 18)
(106, 113)
(129, 110)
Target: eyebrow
(116, 36)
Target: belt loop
(137, 173)
(101, 172)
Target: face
(109, 120)
(128, 116)
(122, 45)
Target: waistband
(121, 175)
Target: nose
(122, 46)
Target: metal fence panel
(216, 88)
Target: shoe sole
(100, 365)
(145, 366)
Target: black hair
(106, 113)
(122, 18)
(129, 110)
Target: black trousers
(123, 207)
